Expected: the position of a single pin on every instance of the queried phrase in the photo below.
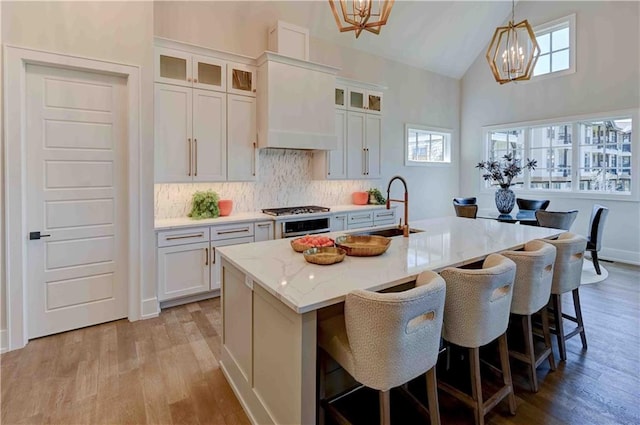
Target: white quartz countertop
(444, 242)
(184, 222)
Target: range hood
(295, 103)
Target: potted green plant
(375, 197)
(204, 204)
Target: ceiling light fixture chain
(359, 15)
(513, 51)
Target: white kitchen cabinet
(216, 269)
(264, 231)
(363, 100)
(363, 145)
(332, 165)
(341, 93)
(359, 219)
(241, 79)
(173, 127)
(185, 69)
(190, 134)
(373, 145)
(242, 150)
(339, 222)
(183, 270)
(384, 217)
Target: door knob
(37, 235)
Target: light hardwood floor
(165, 371)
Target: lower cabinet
(339, 222)
(359, 219)
(264, 231)
(216, 271)
(183, 270)
(384, 217)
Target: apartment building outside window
(577, 156)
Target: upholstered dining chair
(532, 204)
(385, 340)
(465, 207)
(476, 312)
(531, 291)
(556, 219)
(594, 240)
(567, 272)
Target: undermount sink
(395, 231)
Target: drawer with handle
(231, 231)
(384, 216)
(360, 217)
(183, 236)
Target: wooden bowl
(301, 247)
(363, 245)
(325, 255)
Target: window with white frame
(593, 155)
(557, 47)
(427, 145)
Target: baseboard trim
(190, 299)
(619, 255)
(4, 345)
(150, 308)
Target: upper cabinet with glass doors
(185, 69)
(362, 100)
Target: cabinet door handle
(189, 143)
(264, 225)
(206, 256)
(385, 215)
(253, 158)
(196, 235)
(226, 232)
(340, 217)
(366, 162)
(195, 162)
(213, 255)
(355, 217)
(195, 80)
(189, 79)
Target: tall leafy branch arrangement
(503, 172)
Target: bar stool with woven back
(567, 272)
(476, 313)
(531, 291)
(384, 340)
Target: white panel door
(172, 133)
(355, 145)
(373, 140)
(209, 136)
(76, 198)
(242, 150)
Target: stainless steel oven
(299, 221)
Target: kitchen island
(272, 299)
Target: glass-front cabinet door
(209, 73)
(341, 97)
(357, 99)
(241, 79)
(374, 102)
(173, 67)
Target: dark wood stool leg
(557, 307)
(506, 371)
(576, 305)
(476, 385)
(547, 338)
(594, 258)
(529, 351)
(385, 407)
(432, 396)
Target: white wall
(413, 95)
(607, 79)
(115, 31)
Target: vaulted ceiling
(441, 36)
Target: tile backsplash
(284, 179)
